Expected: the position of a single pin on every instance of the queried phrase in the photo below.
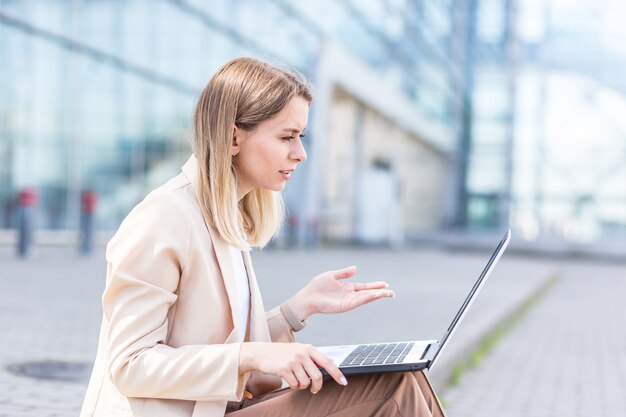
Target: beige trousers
(407, 394)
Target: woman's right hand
(296, 363)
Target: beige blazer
(168, 345)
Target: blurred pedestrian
(27, 200)
(87, 212)
(184, 330)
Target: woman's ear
(235, 146)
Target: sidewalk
(567, 357)
(50, 309)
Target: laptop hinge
(430, 352)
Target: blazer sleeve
(145, 260)
(280, 329)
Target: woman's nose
(298, 153)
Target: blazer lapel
(222, 253)
(259, 383)
(258, 322)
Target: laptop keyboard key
(405, 352)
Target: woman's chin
(273, 187)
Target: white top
(243, 289)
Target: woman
(184, 331)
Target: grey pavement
(50, 309)
(567, 357)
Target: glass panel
(486, 170)
(491, 20)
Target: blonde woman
(184, 329)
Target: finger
(315, 375)
(324, 362)
(360, 286)
(291, 379)
(382, 293)
(302, 377)
(345, 272)
(365, 297)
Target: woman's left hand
(329, 292)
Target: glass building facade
(569, 150)
(98, 95)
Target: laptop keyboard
(383, 353)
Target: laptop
(413, 355)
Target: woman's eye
(289, 138)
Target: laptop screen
(472, 294)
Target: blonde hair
(244, 92)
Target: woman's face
(266, 157)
